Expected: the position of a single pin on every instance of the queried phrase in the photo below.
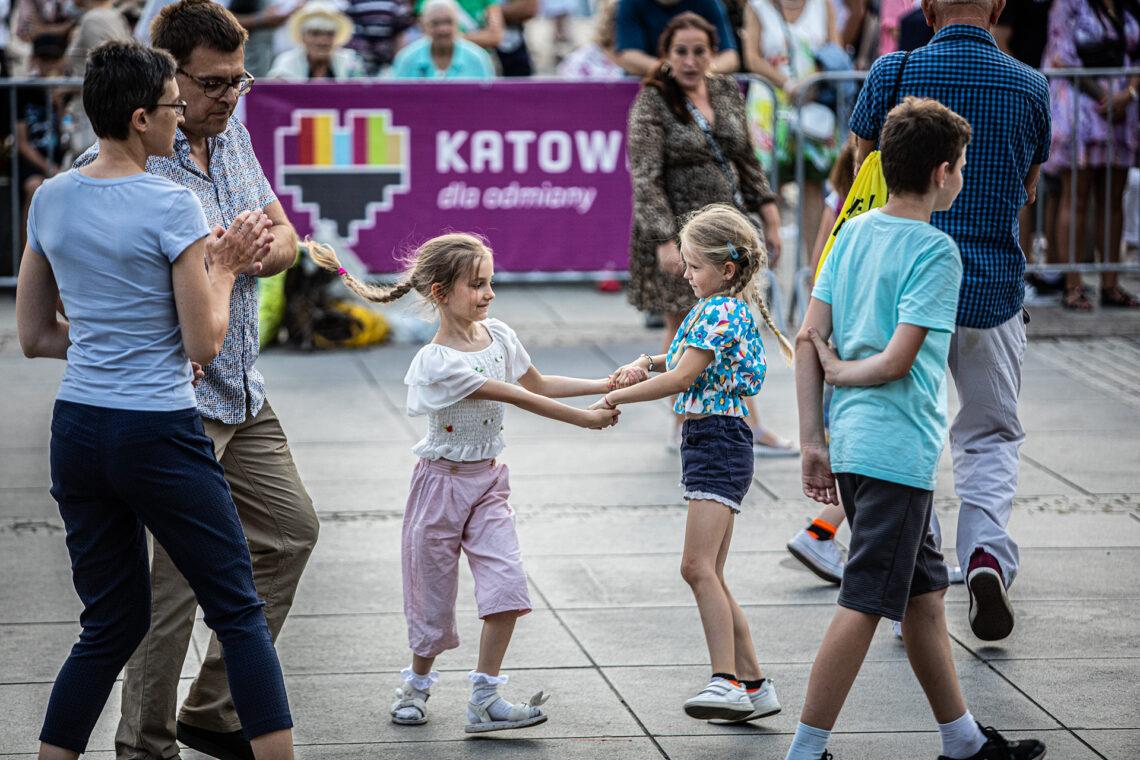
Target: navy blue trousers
(113, 473)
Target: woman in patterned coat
(676, 170)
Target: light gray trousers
(985, 437)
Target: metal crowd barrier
(802, 283)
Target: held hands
(818, 480)
(630, 374)
(828, 359)
(600, 417)
(669, 258)
(197, 371)
(241, 248)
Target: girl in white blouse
(458, 500)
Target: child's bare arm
(692, 363)
(507, 393)
(817, 479)
(557, 386)
(892, 363)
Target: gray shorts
(892, 556)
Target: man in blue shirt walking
(1007, 104)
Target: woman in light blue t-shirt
(145, 286)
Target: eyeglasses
(179, 108)
(216, 88)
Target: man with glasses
(214, 158)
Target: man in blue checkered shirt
(1007, 104)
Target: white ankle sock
(961, 738)
(808, 743)
(419, 682)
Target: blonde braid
(325, 257)
(749, 293)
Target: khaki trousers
(281, 529)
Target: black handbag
(1109, 52)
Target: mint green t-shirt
(882, 271)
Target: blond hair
(440, 261)
(722, 234)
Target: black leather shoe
(997, 747)
(222, 745)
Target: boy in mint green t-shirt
(887, 297)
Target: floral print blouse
(724, 326)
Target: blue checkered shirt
(232, 385)
(1007, 104)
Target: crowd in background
(782, 41)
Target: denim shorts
(717, 459)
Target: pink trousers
(453, 506)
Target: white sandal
(517, 717)
(405, 699)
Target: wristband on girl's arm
(649, 359)
(609, 404)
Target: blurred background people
(379, 28)
(1093, 34)
(39, 112)
(784, 39)
(641, 23)
(319, 32)
(598, 58)
(441, 53)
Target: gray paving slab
(355, 708)
(1074, 690)
(678, 638)
(37, 577)
(376, 643)
(526, 747)
(23, 707)
(1089, 459)
(885, 691)
(847, 744)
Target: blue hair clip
(732, 250)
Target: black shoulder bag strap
(894, 101)
(706, 128)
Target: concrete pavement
(615, 636)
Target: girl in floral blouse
(714, 362)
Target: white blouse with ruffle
(439, 382)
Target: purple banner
(539, 168)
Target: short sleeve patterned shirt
(724, 326)
(232, 386)
(1007, 104)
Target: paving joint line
(1056, 475)
(1023, 693)
(597, 668)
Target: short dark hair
(120, 78)
(918, 136)
(181, 27)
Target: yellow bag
(869, 191)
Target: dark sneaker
(991, 616)
(222, 745)
(997, 747)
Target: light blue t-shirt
(884, 270)
(468, 61)
(111, 243)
